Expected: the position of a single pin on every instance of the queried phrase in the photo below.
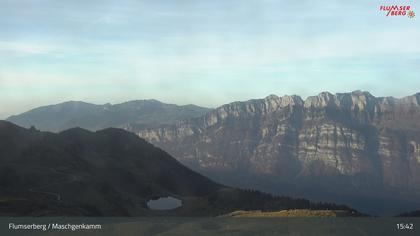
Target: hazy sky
(206, 52)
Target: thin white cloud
(24, 47)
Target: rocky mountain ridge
(345, 142)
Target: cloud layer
(202, 52)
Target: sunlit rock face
(370, 142)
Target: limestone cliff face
(372, 142)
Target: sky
(201, 52)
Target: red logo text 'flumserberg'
(397, 10)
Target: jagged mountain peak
(324, 99)
(356, 101)
(321, 100)
(410, 100)
(262, 106)
(274, 102)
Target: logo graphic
(398, 10)
(411, 14)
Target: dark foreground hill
(128, 115)
(111, 173)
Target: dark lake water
(164, 203)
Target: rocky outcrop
(351, 141)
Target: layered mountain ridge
(351, 144)
(352, 148)
(133, 114)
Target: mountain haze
(132, 114)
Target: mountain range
(351, 148)
(112, 173)
(131, 115)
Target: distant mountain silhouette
(111, 173)
(128, 115)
